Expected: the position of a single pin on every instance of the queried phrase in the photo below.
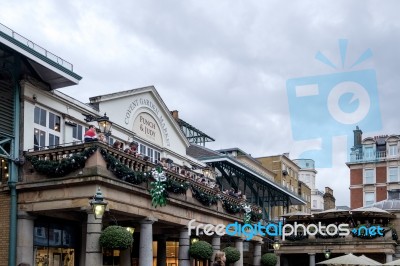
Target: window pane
(393, 174)
(393, 150)
(54, 122)
(53, 140)
(42, 117)
(79, 132)
(369, 198)
(369, 176)
(36, 115)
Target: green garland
(204, 197)
(177, 187)
(65, 166)
(123, 172)
(255, 217)
(230, 207)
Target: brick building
(374, 168)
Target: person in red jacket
(90, 134)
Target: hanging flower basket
(116, 237)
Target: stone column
(162, 250)
(239, 246)
(125, 257)
(312, 259)
(25, 227)
(278, 259)
(94, 255)
(183, 258)
(257, 253)
(146, 242)
(389, 257)
(216, 244)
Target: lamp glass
(98, 210)
(194, 240)
(130, 230)
(327, 254)
(104, 124)
(276, 245)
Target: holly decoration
(247, 214)
(158, 190)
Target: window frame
(367, 170)
(365, 198)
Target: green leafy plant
(269, 259)
(232, 254)
(201, 250)
(116, 237)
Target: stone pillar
(25, 227)
(278, 259)
(94, 255)
(257, 254)
(125, 257)
(216, 244)
(312, 259)
(162, 250)
(239, 246)
(389, 257)
(146, 242)
(183, 258)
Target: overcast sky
(225, 64)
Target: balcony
(371, 157)
(81, 164)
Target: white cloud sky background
(222, 64)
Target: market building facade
(58, 173)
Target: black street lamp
(104, 123)
(98, 204)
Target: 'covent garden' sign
(145, 125)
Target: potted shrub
(115, 237)
(201, 250)
(232, 254)
(269, 259)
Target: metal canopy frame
(258, 190)
(193, 134)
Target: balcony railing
(29, 44)
(365, 157)
(63, 161)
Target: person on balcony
(90, 134)
(102, 138)
(118, 145)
